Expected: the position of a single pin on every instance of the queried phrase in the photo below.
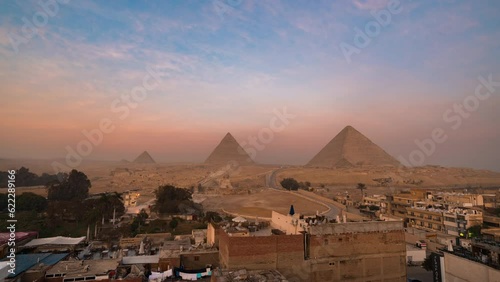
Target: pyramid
(350, 148)
(229, 150)
(144, 158)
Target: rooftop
(27, 261)
(78, 268)
(411, 247)
(140, 259)
(59, 240)
(464, 253)
(248, 275)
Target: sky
(173, 77)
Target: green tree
(104, 206)
(474, 231)
(26, 178)
(74, 187)
(427, 264)
(361, 187)
(170, 198)
(211, 216)
(173, 223)
(139, 220)
(142, 216)
(31, 202)
(290, 184)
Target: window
(196, 258)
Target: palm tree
(362, 187)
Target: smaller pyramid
(229, 150)
(144, 158)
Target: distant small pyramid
(229, 150)
(351, 148)
(144, 158)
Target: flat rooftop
(83, 268)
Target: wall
(284, 223)
(417, 255)
(212, 233)
(461, 269)
(168, 263)
(368, 255)
(198, 260)
(353, 252)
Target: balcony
(424, 219)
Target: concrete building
(430, 219)
(321, 251)
(491, 200)
(492, 234)
(378, 201)
(452, 221)
(199, 236)
(459, 268)
(130, 198)
(491, 221)
(397, 204)
(414, 254)
(457, 220)
(487, 249)
(459, 199)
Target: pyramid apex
(229, 150)
(349, 127)
(351, 148)
(144, 157)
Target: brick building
(323, 252)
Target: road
(417, 272)
(271, 183)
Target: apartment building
(458, 220)
(438, 218)
(429, 219)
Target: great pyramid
(351, 148)
(144, 158)
(229, 150)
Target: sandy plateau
(243, 190)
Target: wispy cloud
(229, 73)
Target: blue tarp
(27, 261)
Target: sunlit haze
(231, 68)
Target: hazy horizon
(228, 66)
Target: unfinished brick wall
(372, 255)
(262, 252)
